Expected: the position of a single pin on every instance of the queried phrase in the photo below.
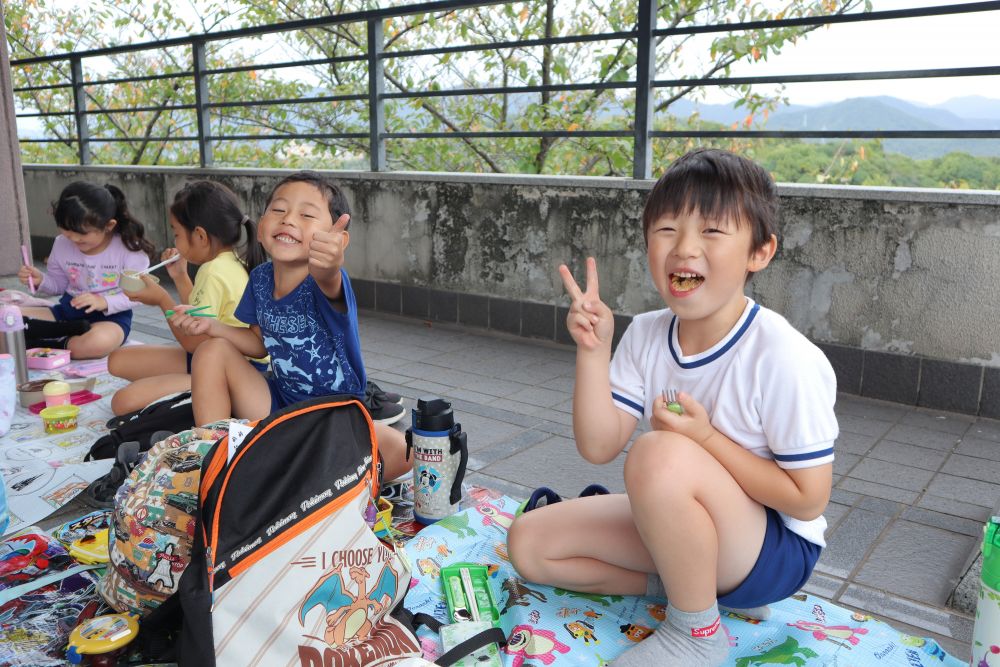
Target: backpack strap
(15, 592)
(477, 641)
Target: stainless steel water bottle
(440, 454)
(12, 339)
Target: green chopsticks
(194, 312)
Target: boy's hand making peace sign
(590, 322)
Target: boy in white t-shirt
(723, 501)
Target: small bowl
(131, 281)
(60, 418)
(29, 393)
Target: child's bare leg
(155, 371)
(392, 450)
(144, 391)
(556, 545)
(225, 385)
(37, 312)
(100, 341)
(704, 534)
(133, 363)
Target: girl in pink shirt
(99, 239)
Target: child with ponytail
(99, 239)
(207, 222)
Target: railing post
(200, 102)
(376, 86)
(80, 109)
(645, 72)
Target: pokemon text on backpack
(285, 569)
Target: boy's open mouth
(685, 281)
(285, 238)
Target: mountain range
(876, 113)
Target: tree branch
(431, 109)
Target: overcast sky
(965, 40)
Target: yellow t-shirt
(219, 284)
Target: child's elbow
(811, 509)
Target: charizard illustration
(348, 617)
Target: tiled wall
(930, 383)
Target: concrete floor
(912, 487)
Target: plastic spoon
(163, 263)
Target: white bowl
(131, 281)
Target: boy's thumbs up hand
(326, 250)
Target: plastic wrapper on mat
(35, 625)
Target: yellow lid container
(60, 418)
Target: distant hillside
(879, 113)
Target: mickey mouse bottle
(440, 454)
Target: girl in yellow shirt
(207, 222)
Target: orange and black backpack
(285, 569)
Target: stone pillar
(13, 211)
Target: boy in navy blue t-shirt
(301, 311)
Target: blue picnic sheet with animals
(551, 626)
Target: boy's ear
(347, 240)
(762, 256)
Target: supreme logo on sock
(707, 631)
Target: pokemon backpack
(286, 569)
(153, 521)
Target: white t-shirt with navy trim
(764, 385)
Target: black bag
(284, 567)
(173, 414)
(130, 435)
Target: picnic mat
(45, 471)
(552, 626)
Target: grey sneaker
(384, 407)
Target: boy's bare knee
(523, 548)
(659, 460)
(213, 353)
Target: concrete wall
(914, 272)
(13, 218)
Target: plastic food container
(130, 281)
(383, 519)
(30, 393)
(46, 358)
(60, 418)
(56, 393)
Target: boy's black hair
(718, 185)
(83, 207)
(216, 209)
(335, 199)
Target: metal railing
(645, 36)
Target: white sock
(685, 639)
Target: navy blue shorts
(785, 562)
(277, 402)
(63, 311)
